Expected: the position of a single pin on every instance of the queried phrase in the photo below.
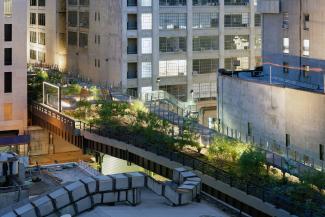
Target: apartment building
(13, 78)
(46, 35)
(294, 36)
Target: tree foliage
(252, 163)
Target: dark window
(8, 82)
(249, 129)
(285, 67)
(287, 140)
(41, 3)
(8, 56)
(33, 3)
(8, 32)
(32, 18)
(41, 19)
(321, 152)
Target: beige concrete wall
(18, 97)
(55, 51)
(274, 112)
(109, 51)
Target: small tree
(251, 163)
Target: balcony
(268, 6)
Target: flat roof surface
(153, 205)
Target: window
(286, 44)
(146, 45)
(285, 23)
(32, 37)
(72, 38)
(84, 19)
(41, 3)
(146, 21)
(8, 82)
(172, 68)
(41, 56)
(321, 152)
(236, 42)
(145, 3)
(32, 54)
(83, 40)
(285, 67)
(8, 32)
(7, 8)
(258, 20)
(41, 38)
(73, 2)
(172, 2)
(33, 3)
(72, 18)
(306, 48)
(237, 63)
(146, 70)
(7, 111)
(84, 2)
(258, 41)
(205, 20)
(205, 2)
(249, 129)
(204, 66)
(172, 21)
(237, 20)
(41, 19)
(306, 22)
(32, 19)
(202, 43)
(8, 56)
(172, 44)
(305, 70)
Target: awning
(14, 140)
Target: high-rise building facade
(182, 43)
(46, 35)
(294, 34)
(176, 45)
(13, 76)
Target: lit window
(146, 70)
(146, 3)
(146, 21)
(306, 48)
(146, 45)
(7, 8)
(286, 45)
(172, 68)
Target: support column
(252, 55)
(189, 49)
(221, 34)
(124, 63)
(155, 44)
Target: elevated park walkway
(245, 196)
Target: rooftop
(154, 205)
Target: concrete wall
(273, 112)
(18, 97)
(108, 51)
